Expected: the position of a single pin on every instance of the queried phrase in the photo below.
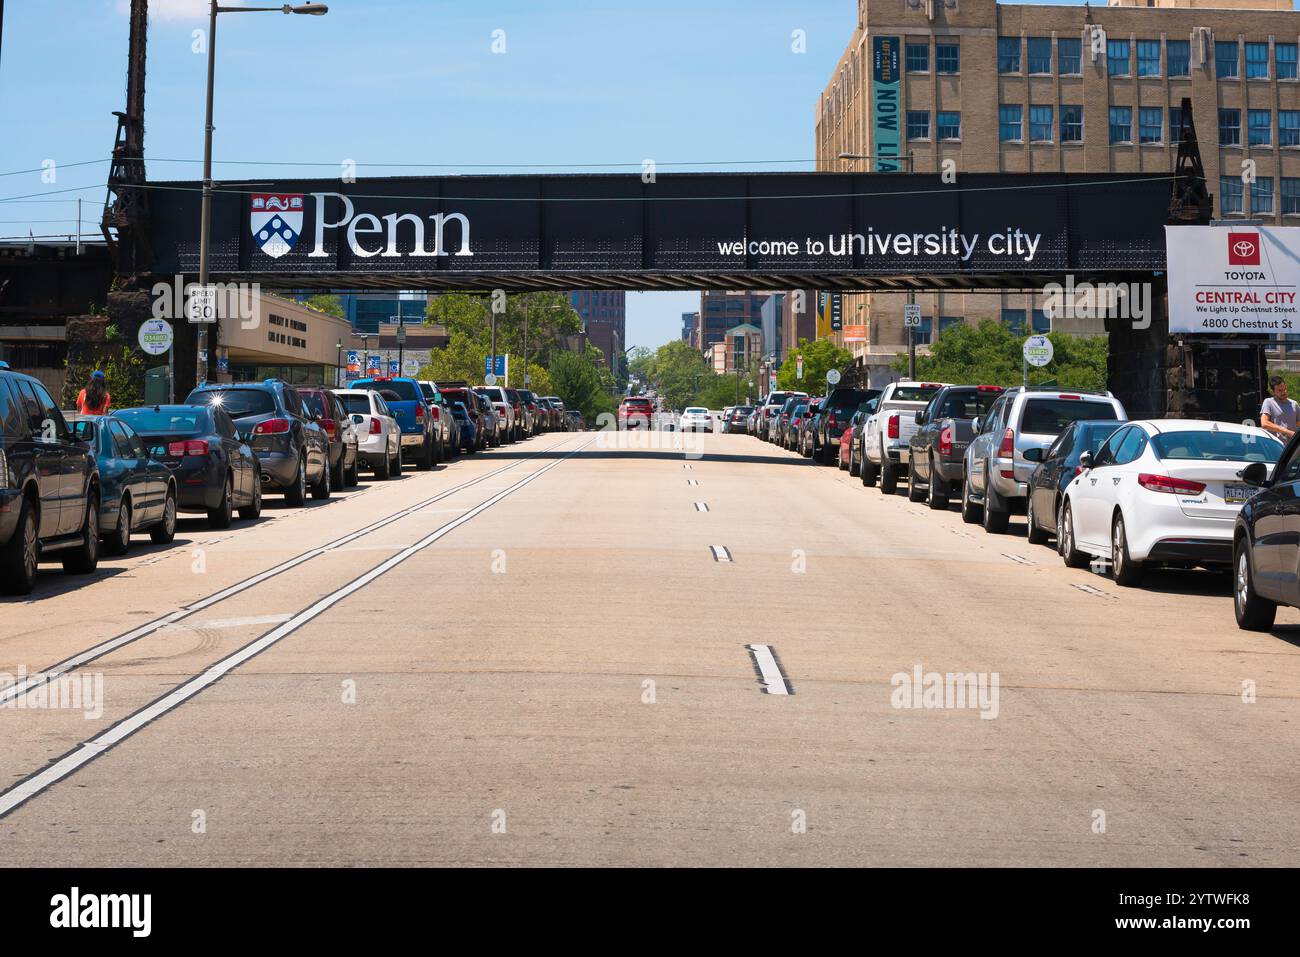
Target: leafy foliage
(990, 353)
(819, 358)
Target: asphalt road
(535, 656)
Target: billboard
(1233, 279)
(886, 136)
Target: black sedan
(214, 470)
(1058, 466)
(1266, 542)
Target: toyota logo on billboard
(1243, 249)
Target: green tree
(324, 302)
(990, 353)
(819, 358)
(576, 379)
(550, 319)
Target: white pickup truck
(885, 434)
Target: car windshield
(636, 402)
(356, 403)
(428, 391)
(967, 405)
(314, 403)
(1053, 416)
(849, 399)
(402, 391)
(696, 411)
(165, 420)
(915, 393)
(1216, 446)
(237, 402)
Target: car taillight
(832, 420)
(271, 427)
(375, 427)
(419, 412)
(1166, 483)
(434, 413)
(1075, 397)
(178, 450)
(1078, 470)
(945, 440)
(330, 427)
(1008, 447)
(893, 426)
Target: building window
(1178, 57)
(1117, 58)
(1040, 54)
(1121, 124)
(947, 58)
(918, 58)
(1014, 319)
(1040, 124)
(1230, 194)
(918, 124)
(948, 125)
(1151, 124)
(947, 322)
(1257, 61)
(1175, 124)
(1008, 54)
(1010, 127)
(1229, 127)
(1225, 59)
(1290, 196)
(1259, 127)
(1042, 322)
(1148, 58)
(1285, 55)
(1071, 124)
(1288, 127)
(1261, 196)
(925, 331)
(1069, 56)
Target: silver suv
(996, 475)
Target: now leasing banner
(1233, 279)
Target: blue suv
(405, 399)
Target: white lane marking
(720, 553)
(229, 623)
(686, 466)
(692, 481)
(769, 670)
(1092, 591)
(1020, 559)
(87, 751)
(701, 506)
(36, 679)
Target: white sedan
(696, 419)
(379, 437)
(1161, 491)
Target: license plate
(1234, 493)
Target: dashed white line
(701, 506)
(1019, 559)
(720, 553)
(769, 670)
(692, 481)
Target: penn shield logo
(1243, 249)
(276, 221)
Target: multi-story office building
(1034, 88)
(720, 311)
(367, 311)
(604, 320)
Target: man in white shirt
(1278, 413)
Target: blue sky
(416, 81)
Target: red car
(846, 445)
(635, 411)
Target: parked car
(753, 420)
(468, 435)
(215, 469)
(323, 405)
(696, 419)
(49, 487)
(1056, 469)
(937, 449)
(781, 419)
(996, 472)
(292, 450)
(790, 431)
(856, 431)
(507, 417)
(637, 412)
(773, 406)
(534, 415)
(478, 409)
(833, 415)
(137, 492)
(443, 426)
(886, 434)
(379, 446)
(804, 428)
(576, 421)
(421, 440)
(1266, 541)
(734, 419)
(1163, 491)
(494, 424)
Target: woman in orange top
(94, 398)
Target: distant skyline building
(689, 321)
(720, 311)
(604, 320)
(367, 311)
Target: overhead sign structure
(155, 336)
(1233, 279)
(886, 138)
(1038, 351)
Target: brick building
(1035, 88)
(604, 320)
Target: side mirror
(977, 424)
(1085, 460)
(1256, 474)
(1032, 455)
(921, 417)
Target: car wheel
(936, 492)
(1253, 612)
(914, 492)
(1035, 535)
(1124, 570)
(85, 558)
(888, 477)
(353, 476)
(296, 495)
(1072, 557)
(971, 510)
(18, 558)
(395, 470)
(253, 510)
(165, 531)
(425, 460)
(995, 520)
(220, 516)
(320, 490)
(855, 467)
(869, 472)
(384, 469)
(119, 543)
(338, 478)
